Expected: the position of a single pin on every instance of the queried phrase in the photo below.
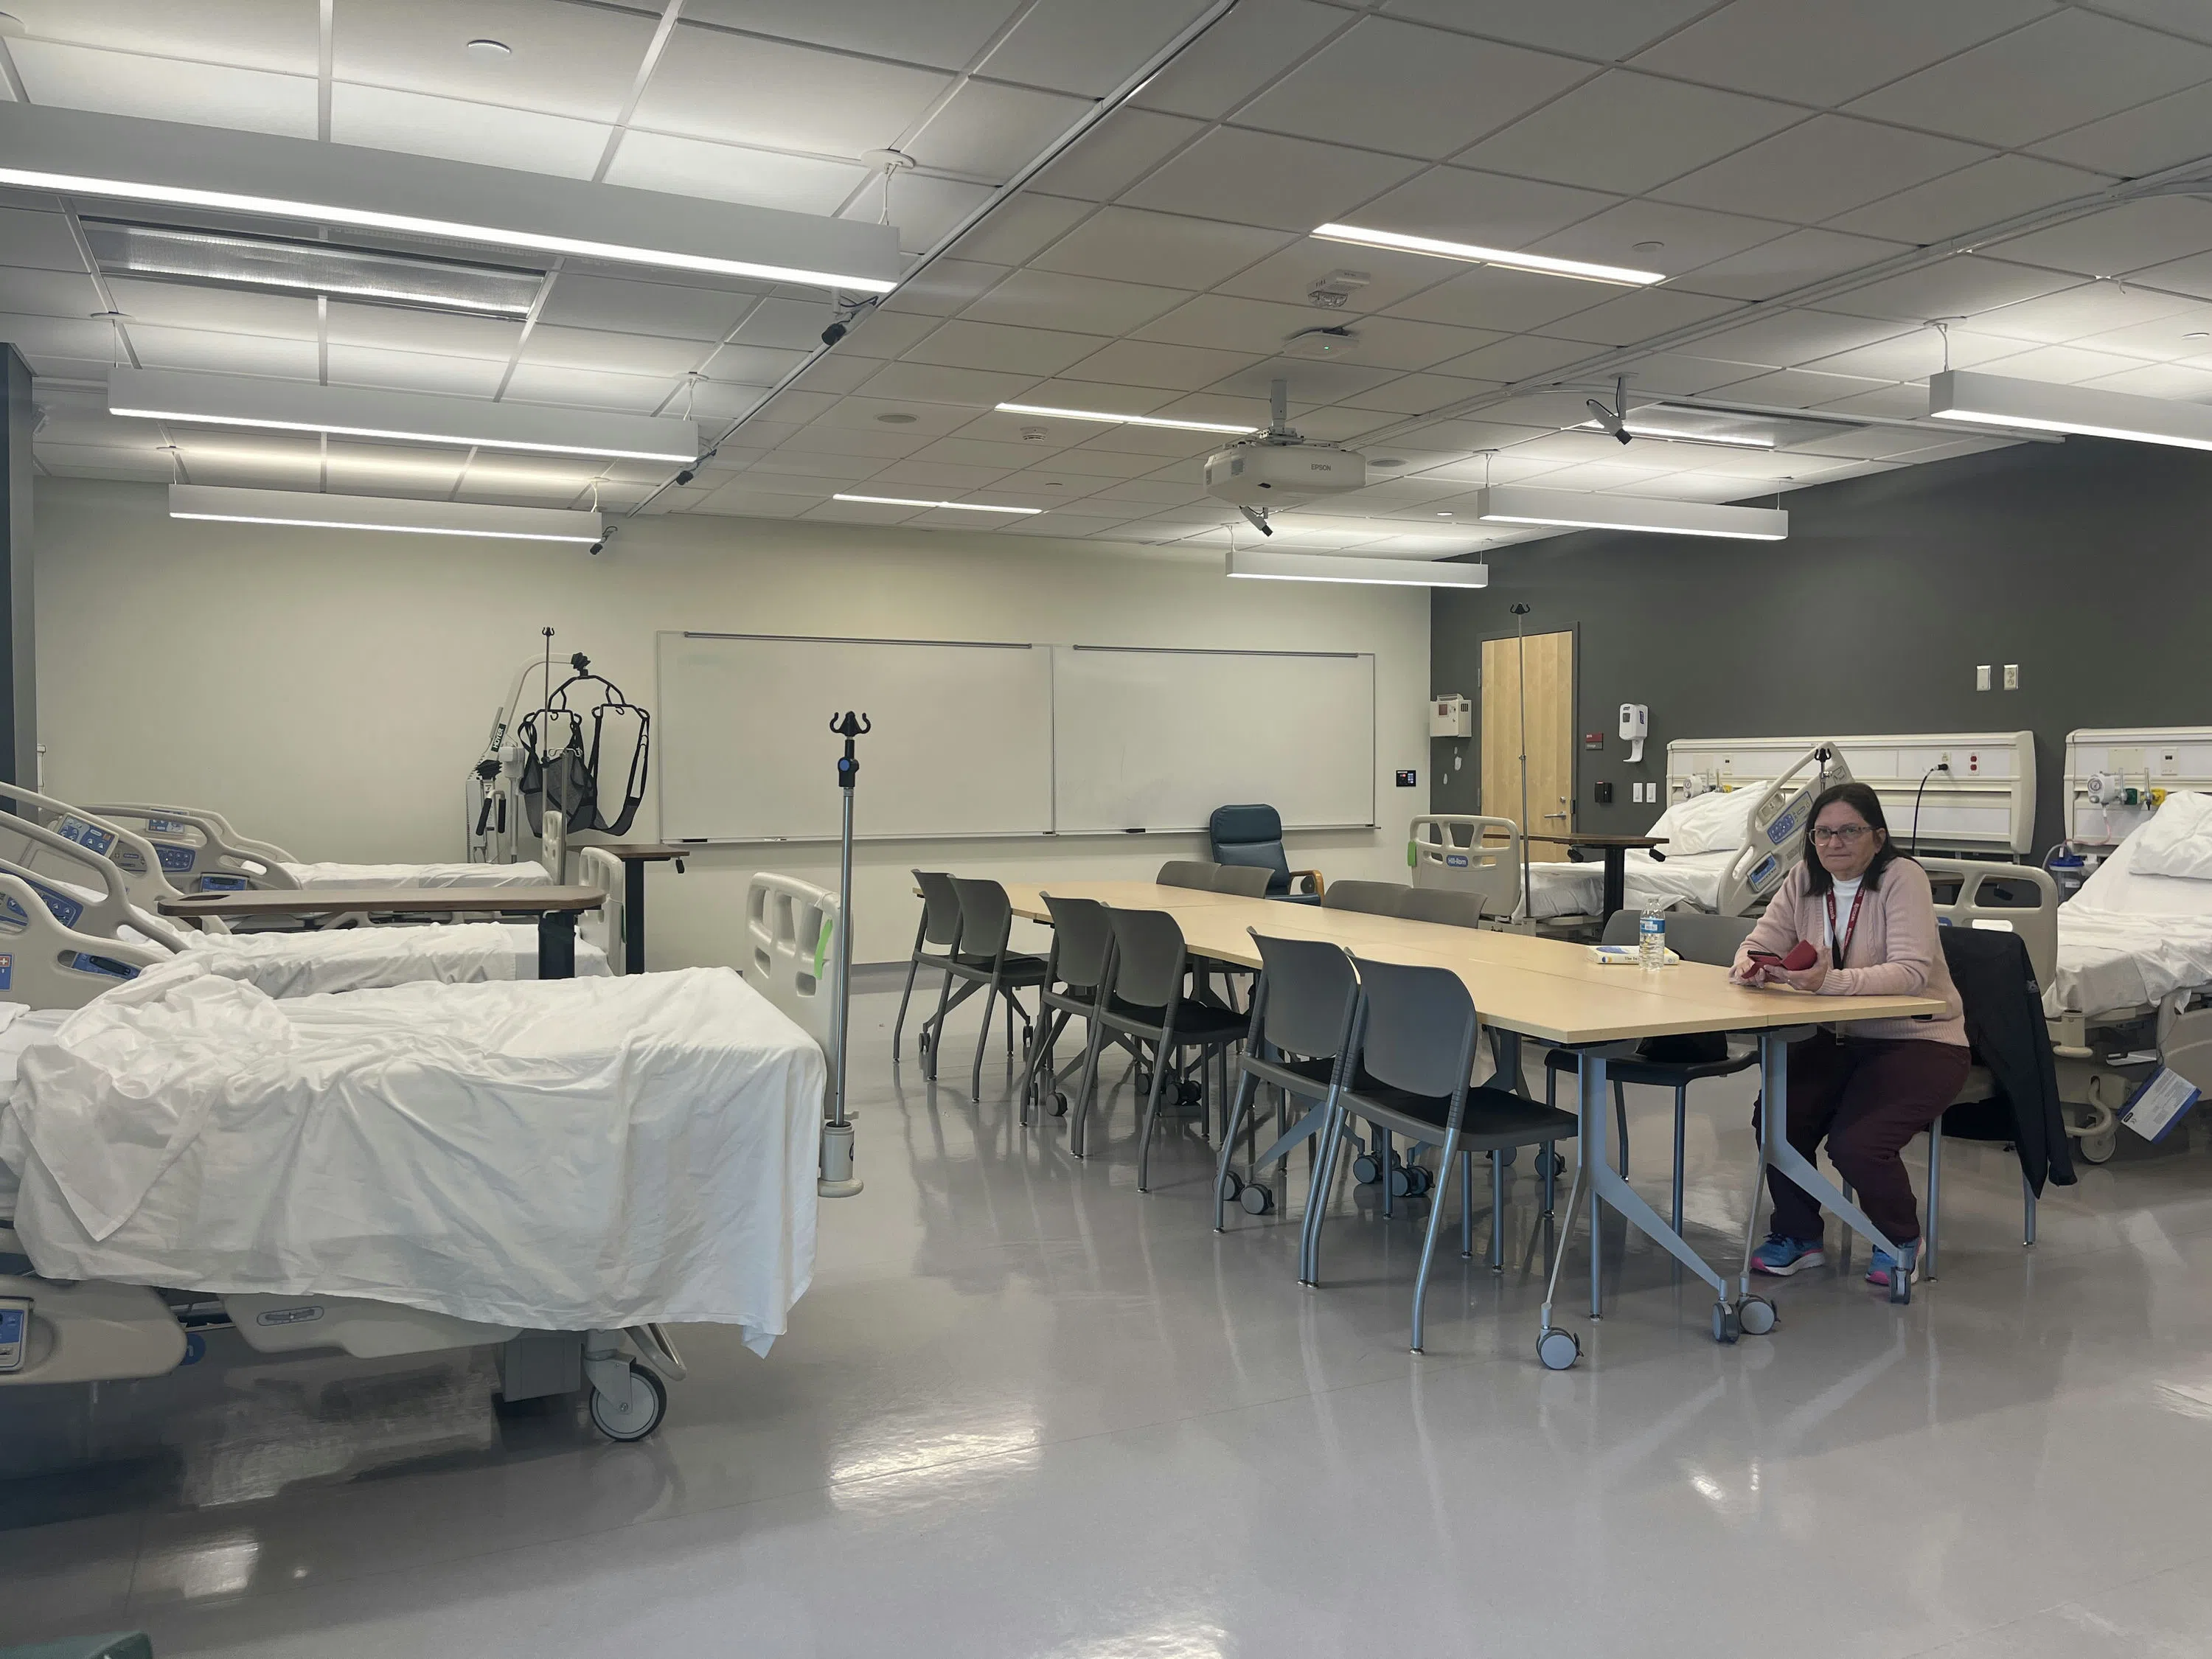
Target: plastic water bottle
(1651, 940)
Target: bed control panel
(15, 1332)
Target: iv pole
(1520, 664)
(837, 1180)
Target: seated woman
(1870, 1086)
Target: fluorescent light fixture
(197, 400)
(2039, 406)
(1261, 566)
(1051, 413)
(385, 512)
(80, 154)
(1576, 509)
(279, 263)
(1719, 440)
(957, 506)
(1543, 264)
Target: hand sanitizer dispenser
(1635, 726)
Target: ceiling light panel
(238, 400)
(2039, 406)
(1542, 265)
(957, 507)
(1575, 509)
(382, 513)
(204, 257)
(1256, 564)
(1049, 412)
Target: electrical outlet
(1981, 677)
(2012, 677)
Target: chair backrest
(1251, 834)
(1246, 880)
(1306, 994)
(1186, 872)
(941, 906)
(987, 916)
(1148, 957)
(1082, 935)
(1419, 1029)
(1441, 906)
(1373, 898)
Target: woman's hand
(1808, 979)
(1747, 972)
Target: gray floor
(1027, 1411)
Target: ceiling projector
(1279, 468)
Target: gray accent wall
(19, 675)
(2089, 564)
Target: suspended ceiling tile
(1905, 402)
(1080, 46)
(233, 311)
(884, 334)
(941, 287)
(1020, 227)
(1046, 299)
(1817, 52)
(754, 365)
(1313, 385)
(33, 238)
(1261, 179)
(1400, 342)
(589, 388)
(1461, 205)
(1125, 244)
(936, 477)
(1493, 297)
(961, 343)
(732, 173)
(794, 408)
(1070, 393)
(574, 61)
(1172, 368)
(1293, 274)
(791, 461)
(1517, 359)
(268, 34)
(627, 353)
(1409, 89)
(1240, 55)
(2091, 308)
(415, 371)
(1795, 388)
(718, 402)
(1626, 132)
(993, 132)
(1963, 285)
(748, 500)
(421, 125)
(736, 89)
(1117, 153)
(1986, 193)
(2061, 70)
(165, 89)
(1915, 355)
(1822, 167)
(2193, 275)
(1590, 28)
(69, 292)
(2181, 382)
(934, 383)
(2061, 365)
(1636, 314)
(1058, 485)
(631, 307)
(925, 210)
(1465, 435)
(1782, 339)
(1088, 461)
(946, 33)
(1156, 442)
(2148, 138)
(2120, 240)
(781, 325)
(92, 461)
(1793, 260)
(225, 354)
(1224, 323)
(1652, 236)
(399, 329)
(999, 458)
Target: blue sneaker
(1884, 1265)
(1781, 1256)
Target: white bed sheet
(287, 965)
(2127, 940)
(19, 1027)
(531, 873)
(582, 1154)
(1563, 890)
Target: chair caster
(1727, 1327)
(1367, 1168)
(1755, 1315)
(1190, 1094)
(1410, 1181)
(1059, 1105)
(1558, 1349)
(1257, 1198)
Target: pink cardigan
(1894, 951)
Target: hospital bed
(2134, 970)
(201, 852)
(559, 1169)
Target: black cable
(1941, 766)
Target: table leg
(1616, 881)
(1607, 1186)
(632, 916)
(556, 944)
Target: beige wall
(328, 690)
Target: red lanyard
(1839, 946)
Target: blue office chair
(1253, 835)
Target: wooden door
(1549, 671)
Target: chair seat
(1660, 1073)
(1195, 1021)
(1494, 1117)
(1018, 970)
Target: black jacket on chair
(2005, 1029)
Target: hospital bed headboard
(791, 954)
(2011, 896)
(2144, 758)
(1464, 853)
(199, 852)
(1985, 805)
(44, 964)
(604, 927)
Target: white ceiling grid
(1748, 148)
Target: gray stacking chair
(1411, 1061)
(986, 920)
(1194, 873)
(1301, 1030)
(940, 926)
(1245, 880)
(1373, 898)
(1082, 941)
(1668, 1062)
(1443, 906)
(1143, 1000)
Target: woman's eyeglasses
(1839, 836)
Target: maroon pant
(1868, 1097)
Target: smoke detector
(1340, 341)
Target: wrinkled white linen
(2177, 840)
(578, 1154)
(530, 874)
(2130, 937)
(360, 959)
(1564, 889)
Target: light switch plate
(1982, 677)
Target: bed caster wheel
(1366, 1169)
(1727, 1327)
(1059, 1105)
(1755, 1315)
(1258, 1199)
(1558, 1349)
(636, 1416)
(2098, 1149)
(195, 1348)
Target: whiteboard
(1146, 740)
(961, 744)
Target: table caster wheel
(1366, 1169)
(1755, 1315)
(1258, 1199)
(1402, 1182)
(1059, 1105)
(1726, 1327)
(2098, 1149)
(1425, 1180)
(636, 1416)
(1558, 1349)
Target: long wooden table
(556, 907)
(1558, 993)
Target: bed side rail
(607, 926)
(1774, 843)
(791, 953)
(199, 852)
(45, 964)
(2014, 897)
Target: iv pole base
(837, 1180)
